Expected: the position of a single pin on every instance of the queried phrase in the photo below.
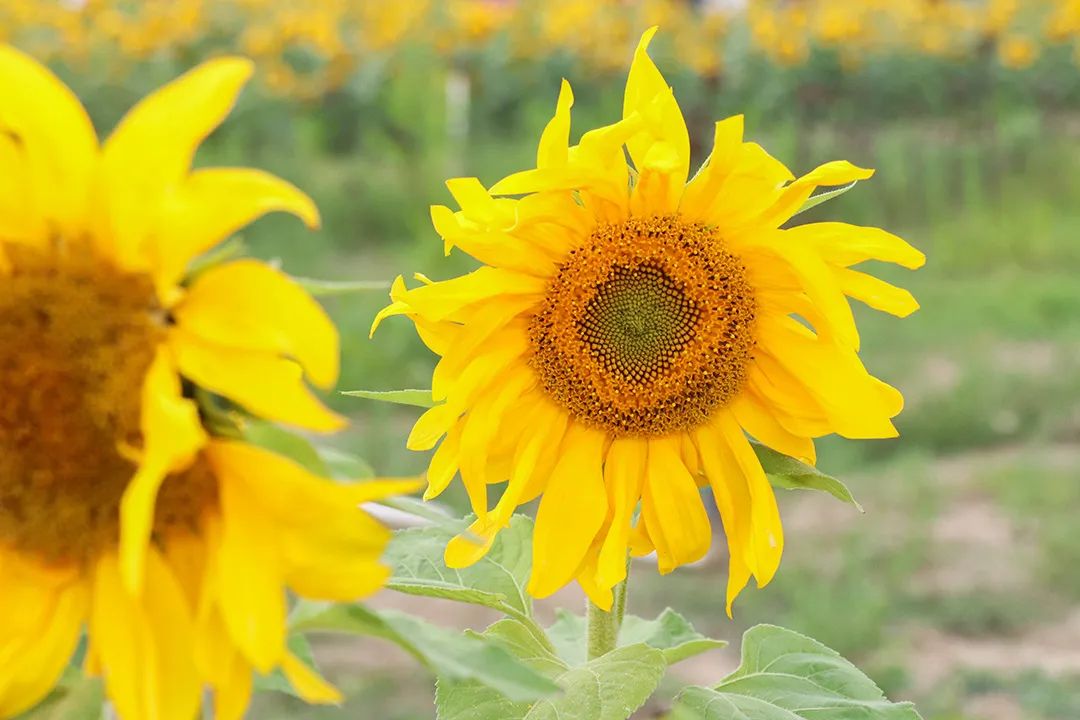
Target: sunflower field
(536, 359)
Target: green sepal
(790, 473)
(815, 200)
(330, 288)
(416, 398)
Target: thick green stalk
(603, 630)
(602, 626)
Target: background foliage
(958, 588)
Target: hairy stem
(603, 626)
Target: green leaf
(472, 700)
(520, 640)
(232, 248)
(608, 688)
(326, 288)
(276, 439)
(611, 687)
(816, 200)
(417, 398)
(698, 703)
(448, 654)
(568, 636)
(497, 581)
(791, 474)
(343, 465)
(670, 633)
(319, 460)
(788, 676)
(276, 680)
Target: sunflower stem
(619, 606)
(602, 625)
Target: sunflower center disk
(76, 340)
(647, 328)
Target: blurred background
(959, 588)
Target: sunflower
(629, 329)
(120, 511)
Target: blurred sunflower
(629, 328)
(119, 511)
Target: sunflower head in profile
(121, 511)
(629, 329)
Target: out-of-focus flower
(1017, 52)
(122, 508)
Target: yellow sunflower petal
(432, 425)
(220, 663)
(442, 299)
(555, 140)
(150, 153)
(648, 95)
(549, 421)
(794, 407)
(269, 386)
(308, 684)
(756, 418)
(731, 495)
(211, 204)
(819, 283)
(249, 305)
(169, 621)
(30, 590)
(624, 475)
(753, 184)
(672, 506)
(845, 245)
(878, 294)
(397, 305)
(486, 419)
(488, 319)
(172, 435)
(601, 596)
(833, 375)
(494, 248)
(768, 534)
(444, 463)
(831, 174)
(145, 645)
(703, 188)
(20, 219)
(232, 694)
(249, 582)
(327, 547)
(476, 201)
(738, 577)
(546, 432)
(572, 509)
(55, 139)
(31, 668)
(502, 352)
